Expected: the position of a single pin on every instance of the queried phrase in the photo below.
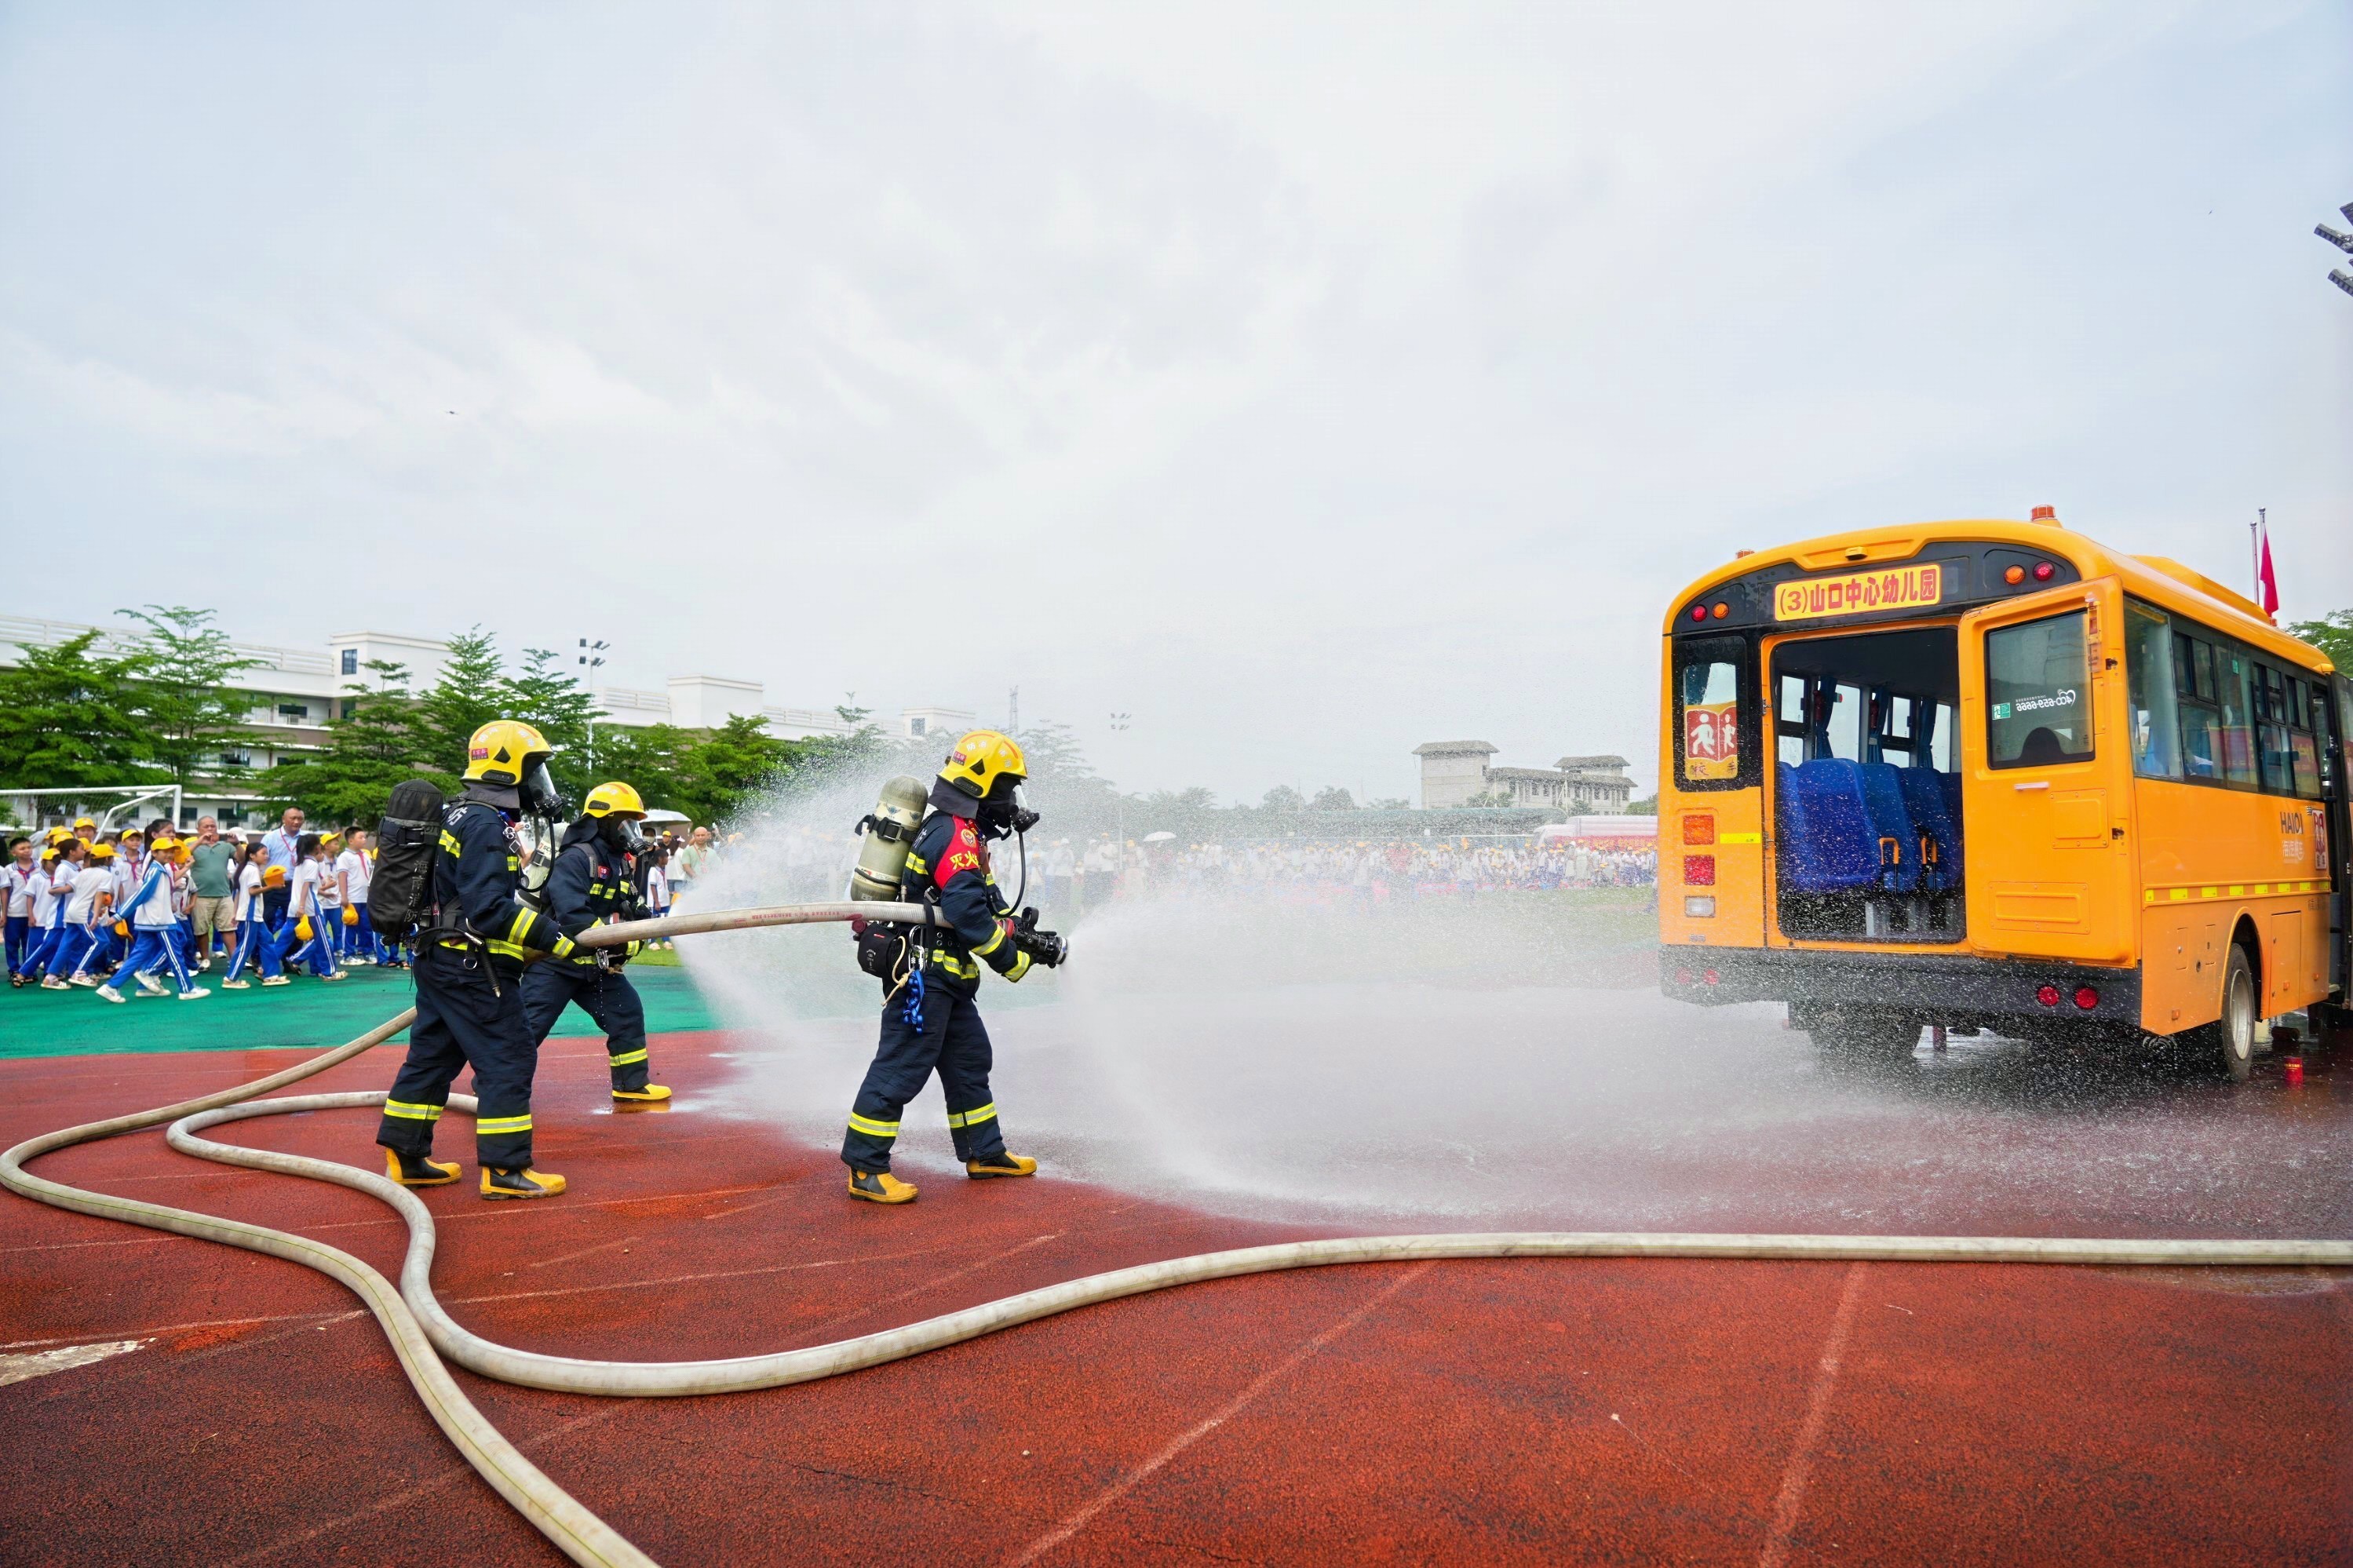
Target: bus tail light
(1699, 612)
(1699, 906)
(1710, 977)
(2087, 997)
(1699, 870)
(1699, 828)
(2043, 571)
(2047, 994)
(2014, 575)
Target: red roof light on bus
(2042, 571)
(1699, 612)
(2049, 514)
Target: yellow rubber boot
(651, 1094)
(1000, 1166)
(879, 1187)
(415, 1172)
(524, 1183)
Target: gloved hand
(302, 928)
(1046, 947)
(351, 914)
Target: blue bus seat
(1898, 841)
(1828, 844)
(1925, 791)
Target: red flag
(2266, 584)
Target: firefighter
(589, 883)
(470, 964)
(931, 1018)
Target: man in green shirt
(211, 905)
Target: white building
(1454, 772)
(294, 692)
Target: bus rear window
(2038, 701)
(1709, 729)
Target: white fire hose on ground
(418, 1327)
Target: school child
(86, 915)
(254, 944)
(16, 905)
(67, 917)
(65, 865)
(657, 875)
(155, 928)
(331, 893)
(352, 869)
(303, 938)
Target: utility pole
(591, 658)
(1119, 725)
(1013, 712)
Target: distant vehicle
(1994, 774)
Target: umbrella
(1163, 837)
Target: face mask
(537, 792)
(621, 835)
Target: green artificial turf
(309, 1013)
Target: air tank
(890, 834)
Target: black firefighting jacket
(477, 884)
(948, 866)
(590, 881)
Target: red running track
(1535, 1411)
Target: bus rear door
(2046, 780)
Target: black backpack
(400, 894)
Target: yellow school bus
(1994, 775)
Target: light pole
(1119, 726)
(592, 659)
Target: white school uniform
(356, 869)
(18, 881)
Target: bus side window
(2201, 721)
(2232, 676)
(2038, 702)
(2151, 680)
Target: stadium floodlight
(2343, 242)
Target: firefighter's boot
(415, 1171)
(879, 1187)
(644, 1095)
(522, 1184)
(1000, 1166)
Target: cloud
(1307, 382)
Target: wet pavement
(1522, 1411)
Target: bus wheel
(2228, 1043)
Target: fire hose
(425, 1337)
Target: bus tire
(2227, 1046)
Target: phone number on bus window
(1904, 588)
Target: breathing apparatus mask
(537, 792)
(621, 835)
(1002, 816)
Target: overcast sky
(1307, 382)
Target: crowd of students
(1374, 870)
(153, 909)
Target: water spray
(423, 1335)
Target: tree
(2332, 633)
(182, 667)
(1197, 797)
(69, 719)
(656, 761)
(1388, 803)
(1333, 797)
(1494, 797)
(1283, 798)
(731, 765)
(470, 692)
(551, 699)
(1647, 806)
(371, 747)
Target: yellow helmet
(502, 751)
(86, 822)
(59, 835)
(102, 851)
(615, 799)
(979, 760)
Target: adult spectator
(279, 849)
(212, 898)
(692, 863)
